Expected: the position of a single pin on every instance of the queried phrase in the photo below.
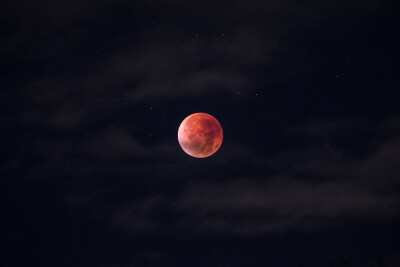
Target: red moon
(200, 135)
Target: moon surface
(200, 135)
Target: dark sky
(92, 95)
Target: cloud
(70, 77)
(310, 189)
(300, 189)
(247, 206)
(86, 95)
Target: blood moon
(200, 135)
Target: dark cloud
(93, 94)
(312, 187)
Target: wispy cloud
(311, 187)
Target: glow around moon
(200, 135)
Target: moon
(200, 135)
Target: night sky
(91, 97)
